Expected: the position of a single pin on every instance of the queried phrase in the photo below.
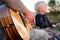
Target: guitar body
(13, 24)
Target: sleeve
(50, 24)
(17, 5)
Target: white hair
(38, 4)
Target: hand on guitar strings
(30, 16)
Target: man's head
(41, 6)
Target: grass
(57, 28)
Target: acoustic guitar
(15, 25)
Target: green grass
(57, 28)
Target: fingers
(32, 20)
(54, 25)
(30, 16)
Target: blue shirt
(42, 21)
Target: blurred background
(53, 11)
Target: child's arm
(51, 25)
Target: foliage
(51, 3)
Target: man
(16, 5)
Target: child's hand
(54, 25)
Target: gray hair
(38, 4)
